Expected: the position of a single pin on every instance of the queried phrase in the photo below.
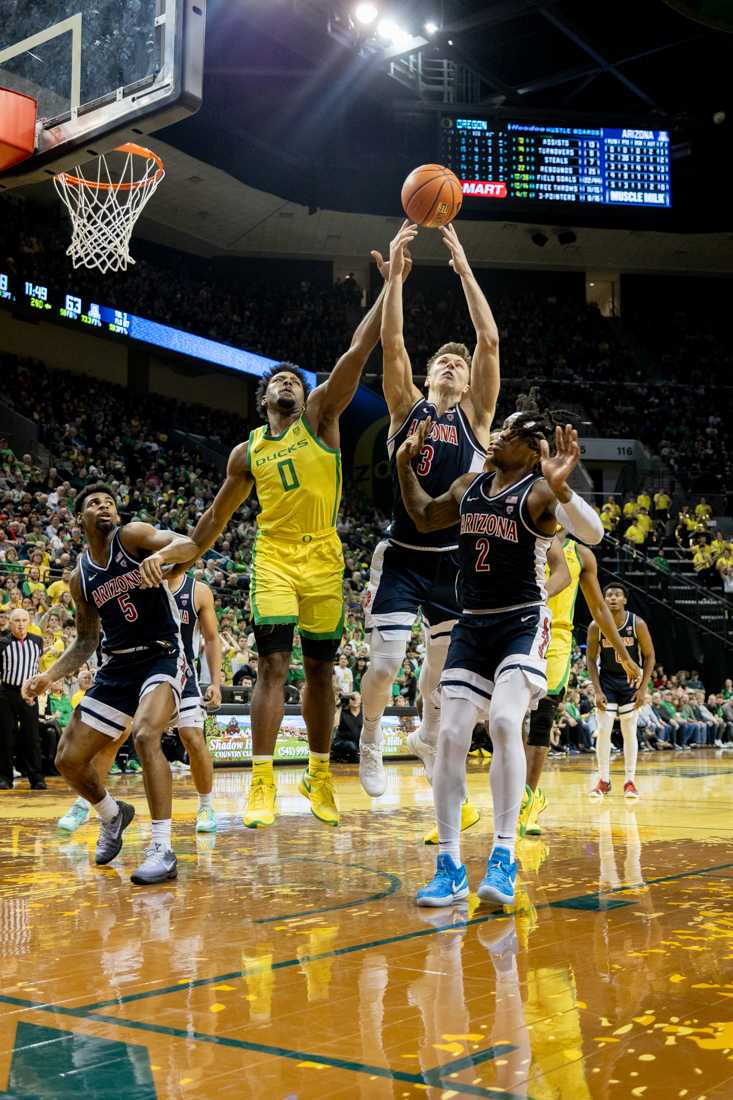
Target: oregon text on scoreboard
(522, 161)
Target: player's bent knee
(541, 721)
(193, 739)
(146, 736)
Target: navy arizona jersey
(610, 669)
(502, 556)
(184, 596)
(450, 451)
(132, 618)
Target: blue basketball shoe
(449, 885)
(501, 875)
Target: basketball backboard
(103, 73)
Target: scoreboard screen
(498, 161)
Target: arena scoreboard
(77, 310)
(499, 161)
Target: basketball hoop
(104, 210)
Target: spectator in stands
(714, 722)
(662, 504)
(343, 676)
(347, 730)
(654, 731)
(84, 682)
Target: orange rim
(134, 150)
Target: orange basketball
(431, 195)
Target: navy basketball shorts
(126, 678)
(485, 648)
(620, 697)
(404, 582)
(192, 713)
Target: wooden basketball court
(293, 962)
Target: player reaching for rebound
(117, 584)
(583, 570)
(614, 694)
(496, 661)
(415, 570)
(195, 604)
(294, 462)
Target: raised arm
(601, 613)
(552, 501)
(426, 512)
(591, 660)
(75, 655)
(233, 493)
(400, 392)
(480, 401)
(160, 547)
(212, 642)
(559, 577)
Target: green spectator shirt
(59, 707)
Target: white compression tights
(508, 767)
(385, 660)
(603, 743)
(430, 673)
(631, 745)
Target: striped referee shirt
(19, 659)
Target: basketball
(432, 195)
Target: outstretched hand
(414, 443)
(458, 260)
(557, 469)
(400, 260)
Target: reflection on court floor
(292, 962)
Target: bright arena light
(430, 27)
(366, 13)
(390, 30)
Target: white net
(105, 207)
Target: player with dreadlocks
(508, 515)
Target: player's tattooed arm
(426, 512)
(591, 657)
(559, 577)
(233, 493)
(601, 612)
(80, 650)
(480, 402)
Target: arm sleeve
(577, 516)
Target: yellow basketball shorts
(559, 657)
(299, 582)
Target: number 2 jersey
(610, 670)
(502, 555)
(451, 451)
(133, 618)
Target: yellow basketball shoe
(524, 810)
(317, 787)
(537, 806)
(469, 816)
(261, 803)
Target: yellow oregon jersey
(562, 605)
(298, 481)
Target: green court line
(394, 882)
(402, 937)
(434, 1077)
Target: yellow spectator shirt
(635, 535)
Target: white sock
(603, 744)
(371, 730)
(508, 774)
(631, 744)
(107, 809)
(204, 800)
(449, 776)
(82, 803)
(162, 833)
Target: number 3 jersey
(450, 452)
(132, 618)
(502, 555)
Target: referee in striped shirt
(19, 657)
